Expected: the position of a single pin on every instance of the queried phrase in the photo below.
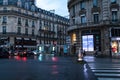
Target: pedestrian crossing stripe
(106, 73)
(108, 78)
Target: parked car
(29, 53)
(4, 53)
(22, 53)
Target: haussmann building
(25, 26)
(95, 25)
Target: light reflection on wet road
(43, 67)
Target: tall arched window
(19, 3)
(5, 2)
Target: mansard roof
(23, 3)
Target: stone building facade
(25, 26)
(95, 25)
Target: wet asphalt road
(45, 67)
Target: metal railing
(93, 24)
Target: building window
(95, 3)
(5, 9)
(19, 30)
(26, 31)
(96, 18)
(26, 22)
(83, 19)
(26, 5)
(82, 5)
(73, 20)
(113, 1)
(33, 24)
(19, 21)
(33, 8)
(33, 32)
(114, 16)
(5, 2)
(73, 11)
(4, 29)
(4, 19)
(19, 3)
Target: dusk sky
(60, 6)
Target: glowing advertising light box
(87, 42)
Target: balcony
(82, 11)
(17, 34)
(15, 12)
(46, 31)
(93, 24)
(114, 6)
(95, 9)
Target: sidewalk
(84, 70)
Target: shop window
(114, 47)
(88, 42)
(115, 32)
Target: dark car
(22, 53)
(29, 53)
(4, 53)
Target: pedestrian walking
(80, 55)
(84, 53)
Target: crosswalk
(105, 70)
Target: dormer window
(5, 2)
(26, 5)
(33, 8)
(19, 3)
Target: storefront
(25, 43)
(91, 40)
(115, 46)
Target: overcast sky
(60, 6)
